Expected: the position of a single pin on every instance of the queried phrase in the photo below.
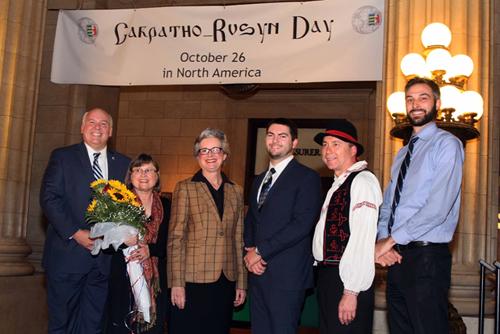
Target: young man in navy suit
(77, 282)
(284, 203)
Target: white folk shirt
(357, 266)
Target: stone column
(59, 117)
(476, 235)
(21, 39)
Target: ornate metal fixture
(460, 109)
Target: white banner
(333, 40)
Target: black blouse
(217, 195)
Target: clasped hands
(385, 255)
(254, 262)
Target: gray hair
(110, 118)
(211, 133)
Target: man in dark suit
(284, 203)
(77, 282)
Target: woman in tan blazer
(205, 244)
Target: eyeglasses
(145, 171)
(214, 150)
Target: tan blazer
(201, 245)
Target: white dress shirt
(279, 169)
(102, 160)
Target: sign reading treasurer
(317, 41)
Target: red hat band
(341, 134)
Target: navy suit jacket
(282, 229)
(64, 198)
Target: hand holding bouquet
(113, 205)
(117, 215)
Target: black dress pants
(330, 292)
(275, 311)
(417, 291)
(208, 309)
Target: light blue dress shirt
(430, 201)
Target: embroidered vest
(336, 233)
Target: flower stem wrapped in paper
(116, 216)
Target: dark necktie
(266, 186)
(95, 167)
(401, 180)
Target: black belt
(324, 265)
(415, 244)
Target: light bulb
(413, 64)
(450, 98)
(438, 59)
(471, 102)
(436, 34)
(396, 103)
(461, 65)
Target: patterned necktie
(266, 186)
(401, 180)
(95, 167)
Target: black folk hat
(342, 129)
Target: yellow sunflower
(124, 197)
(92, 205)
(117, 185)
(116, 196)
(129, 195)
(97, 182)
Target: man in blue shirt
(419, 216)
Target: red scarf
(150, 265)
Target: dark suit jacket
(281, 230)
(64, 198)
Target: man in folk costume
(344, 239)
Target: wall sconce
(460, 109)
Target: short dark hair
(294, 131)
(139, 161)
(417, 80)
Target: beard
(279, 155)
(428, 117)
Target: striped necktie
(95, 167)
(401, 180)
(266, 187)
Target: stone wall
(165, 120)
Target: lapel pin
(112, 158)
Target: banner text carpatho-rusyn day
(222, 30)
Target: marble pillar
(476, 236)
(21, 39)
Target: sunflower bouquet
(116, 216)
(112, 202)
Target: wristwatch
(257, 251)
